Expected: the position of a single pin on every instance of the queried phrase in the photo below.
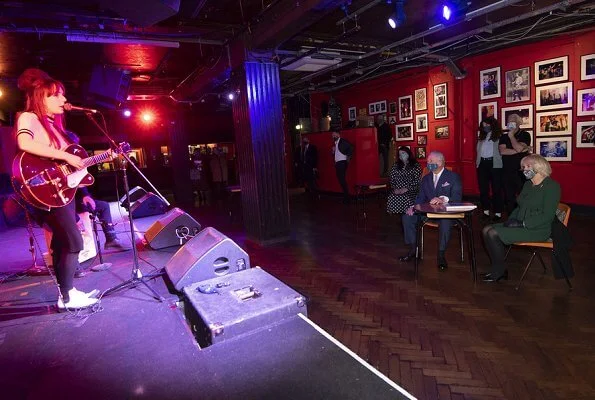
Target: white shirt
(338, 155)
(487, 147)
(436, 178)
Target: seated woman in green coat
(531, 221)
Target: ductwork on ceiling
(143, 12)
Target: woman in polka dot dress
(405, 177)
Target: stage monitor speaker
(147, 205)
(173, 229)
(143, 12)
(109, 85)
(135, 193)
(208, 255)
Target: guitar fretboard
(96, 159)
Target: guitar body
(45, 183)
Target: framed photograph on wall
(531, 140)
(403, 132)
(552, 70)
(585, 102)
(421, 123)
(489, 82)
(525, 112)
(421, 101)
(442, 132)
(555, 148)
(420, 153)
(518, 85)
(351, 111)
(392, 107)
(554, 123)
(422, 140)
(553, 97)
(392, 120)
(440, 101)
(377, 107)
(487, 110)
(585, 134)
(371, 109)
(587, 67)
(405, 107)
(383, 106)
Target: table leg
(471, 244)
(417, 241)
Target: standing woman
(489, 167)
(514, 145)
(405, 176)
(40, 132)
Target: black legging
(66, 244)
(496, 249)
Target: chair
(563, 214)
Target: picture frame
(557, 148)
(440, 101)
(422, 140)
(442, 132)
(585, 102)
(525, 112)
(421, 123)
(382, 106)
(420, 153)
(551, 70)
(421, 99)
(352, 113)
(371, 109)
(392, 107)
(490, 83)
(518, 85)
(531, 140)
(404, 132)
(588, 67)
(485, 110)
(377, 107)
(585, 134)
(553, 123)
(552, 97)
(392, 120)
(405, 104)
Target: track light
(452, 11)
(398, 17)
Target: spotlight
(298, 127)
(127, 113)
(230, 96)
(147, 117)
(452, 11)
(446, 12)
(398, 17)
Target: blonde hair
(540, 164)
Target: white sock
(498, 214)
(486, 212)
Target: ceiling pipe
(437, 28)
(359, 11)
(96, 36)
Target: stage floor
(135, 346)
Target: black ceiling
(34, 33)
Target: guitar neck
(96, 159)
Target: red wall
(463, 100)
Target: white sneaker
(77, 300)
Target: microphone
(70, 107)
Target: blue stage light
(446, 12)
(126, 113)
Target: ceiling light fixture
(398, 17)
(91, 38)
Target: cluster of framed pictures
(378, 107)
(553, 103)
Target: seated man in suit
(438, 187)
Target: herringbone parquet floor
(442, 337)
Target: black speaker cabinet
(173, 229)
(135, 194)
(110, 85)
(208, 255)
(147, 205)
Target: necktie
(435, 180)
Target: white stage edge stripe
(358, 358)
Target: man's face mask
(512, 125)
(432, 167)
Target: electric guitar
(47, 183)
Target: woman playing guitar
(40, 132)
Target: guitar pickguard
(74, 179)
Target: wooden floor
(442, 337)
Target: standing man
(514, 144)
(309, 161)
(384, 137)
(439, 187)
(342, 152)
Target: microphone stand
(137, 276)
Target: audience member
(342, 151)
(514, 145)
(405, 177)
(489, 167)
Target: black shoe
(79, 273)
(490, 278)
(442, 264)
(116, 245)
(407, 258)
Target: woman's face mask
(529, 173)
(403, 156)
(511, 125)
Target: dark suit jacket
(449, 185)
(309, 157)
(346, 148)
(561, 262)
